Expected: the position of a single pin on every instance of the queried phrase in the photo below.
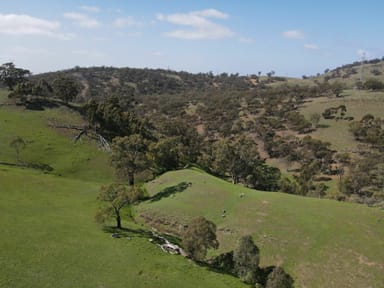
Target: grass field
(49, 237)
(358, 104)
(322, 243)
(45, 145)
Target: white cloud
(246, 40)
(363, 53)
(311, 46)
(127, 22)
(17, 24)
(211, 13)
(198, 21)
(293, 34)
(91, 9)
(82, 19)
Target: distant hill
(284, 116)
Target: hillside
(50, 196)
(322, 243)
(311, 129)
(339, 241)
(49, 236)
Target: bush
(279, 279)
(374, 84)
(199, 237)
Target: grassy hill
(322, 243)
(49, 237)
(51, 240)
(358, 104)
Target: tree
(117, 197)
(10, 75)
(247, 259)
(129, 156)
(315, 119)
(187, 142)
(66, 88)
(336, 88)
(199, 237)
(111, 120)
(237, 158)
(373, 84)
(279, 279)
(18, 144)
(165, 153)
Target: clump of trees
(369, 130)
(66, 88)
(244, 262)
(240, 160)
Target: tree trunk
(131, 178)
(118, 220)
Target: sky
(292, 38)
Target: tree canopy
(116, 196)
(66, 88)
(129, 156)
(10, 75)
(199, 237)
(247, 258)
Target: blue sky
(293, 38)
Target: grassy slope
(49, 237)
(44, 145)
(358, 104)
(322, 243)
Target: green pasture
(358, 104)
(49, 239)
(54, 147)
(321, 243)
(49, 236)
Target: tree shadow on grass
(170, 191)
(127, 232)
